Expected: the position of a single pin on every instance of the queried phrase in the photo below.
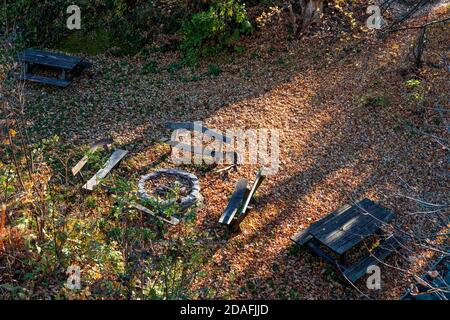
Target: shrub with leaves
(211, 31)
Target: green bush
(43, 22)
(211, 31)
(127, 25)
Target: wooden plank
(359, 269)
(42, 79)
(50, 59)
(117, 155)
(192, 126)
(172, 220)
(338, 218)
(259, 179)
(202, 151)
(354, 236)
(94, 147)
(350, 233)
(329, 217)
(234, 203)
(302, 237)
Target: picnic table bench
(238, 205)
(67, 65)
(343, 230)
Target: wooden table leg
(63, 74)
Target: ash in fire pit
(166, 183)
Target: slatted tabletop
(50, 59)
(346, 227)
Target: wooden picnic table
(64, 63)
(343, 230)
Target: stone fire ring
(186, 201)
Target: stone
(186, 201)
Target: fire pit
(184, 182)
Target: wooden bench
(237, 208)
(68, 66)
(344, 229)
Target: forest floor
(349, 128)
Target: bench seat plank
(380, 253)
(259, 179)
(41, 79)
(219, 155)
(114, 159)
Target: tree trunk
(312, 11)
(303, 13)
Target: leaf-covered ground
(350, 127)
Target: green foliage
(7, 180)
(371, 101)
(92, 42)
(120, 24)
(412, 83)
(42, 23)
(209, 32)
(167, 267)
(214, 70)
(151, 67)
